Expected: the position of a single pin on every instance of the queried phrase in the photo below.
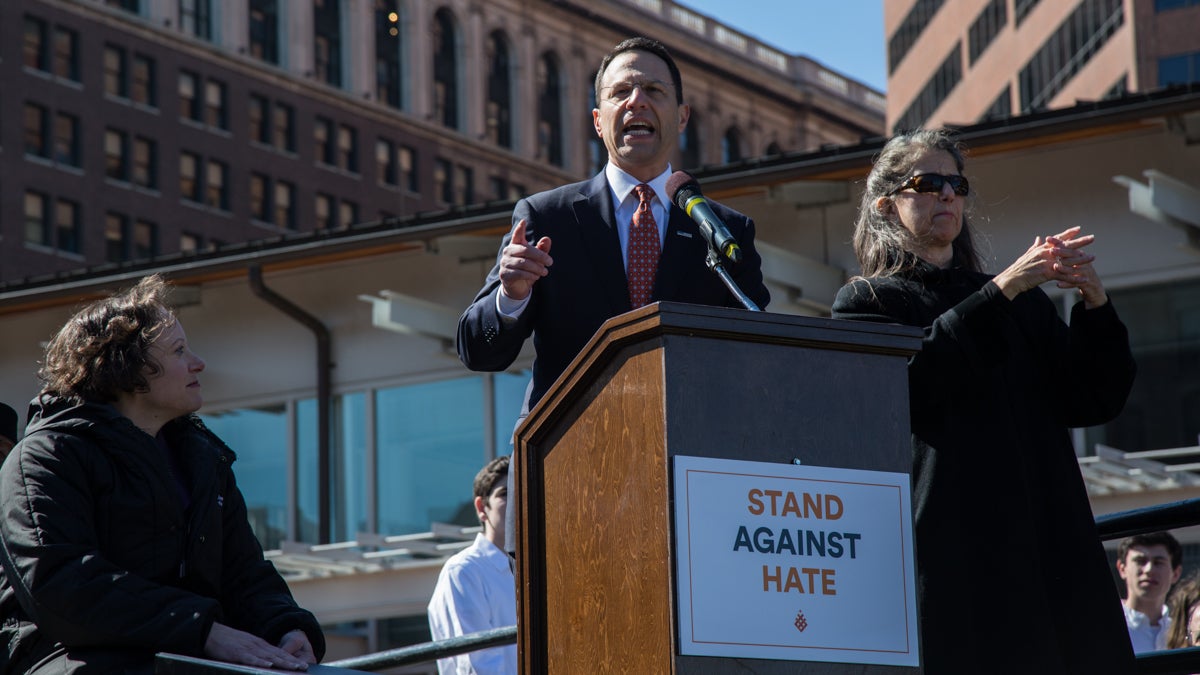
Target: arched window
(387, 52)
(731, 145)
(597, 153)
(445, 69)
(774, 149)
(498, 113)
(689, 143)
(549, 109)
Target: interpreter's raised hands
(522, 263)
(234, 646)
(1057, 258)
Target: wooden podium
(595, 540)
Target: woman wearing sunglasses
(1011, 574)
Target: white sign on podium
(799, 563)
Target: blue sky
(844, 35)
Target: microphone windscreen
(678, 181)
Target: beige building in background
(965, 61)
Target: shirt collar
(621, 184)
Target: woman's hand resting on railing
(234, 646)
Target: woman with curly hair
(123, 532)
(1011, 574)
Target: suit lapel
(683, 252)
(594, 213)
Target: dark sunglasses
(934, 182)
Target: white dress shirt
(475, 591)
(1145, 637)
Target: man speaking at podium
(583, 253)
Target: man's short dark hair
(492, 474)
(642, 44)
(1165, 539)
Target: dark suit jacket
(587, 285)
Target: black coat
(103, 566)
(587, 284)
(1012, 576)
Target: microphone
(684, 189)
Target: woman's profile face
(934, 218)
(175, 390)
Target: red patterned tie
(643, 249)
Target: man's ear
(884, 205)
(479, 504)
(1178, 573)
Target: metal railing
(1153, 519)
(1112, 526)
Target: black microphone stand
(714, 263)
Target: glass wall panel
(1163, 410)
(509, 395)
(260, 439)
(430, 446)
(348, 484)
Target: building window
(134, 6)
(407, 158)
(66, 139)
(445, 69)
(264, 30)
(145, 239)
(145, 163)
(387, 52)
(142, 88)
(260, 130)
(347, 213)
(549, 103)
(37, 228)
(1166, 5)
(464, 185)
(116, 236)
(36, 49)
(985, 28)
(37, 140)
(327, 36)
(442, 188)
(385, 161)
(215, 185)
(195, 18)
(190, 242)
(285, 197)
(498, 111)
(284, 138)
(66, 226)
(259, 184)
(66, 53)
(214, 105)
(731, 145)
(1180, 69)
(323, 211)
(116, 155)
(189, 176)
(347, 149)
(910, 30)
(115, 72)
(323, 141)
(1078, 38)
(189, 104)
(1000, 108)
(933, 93)
(689, 146)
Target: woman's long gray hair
(884, 247)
